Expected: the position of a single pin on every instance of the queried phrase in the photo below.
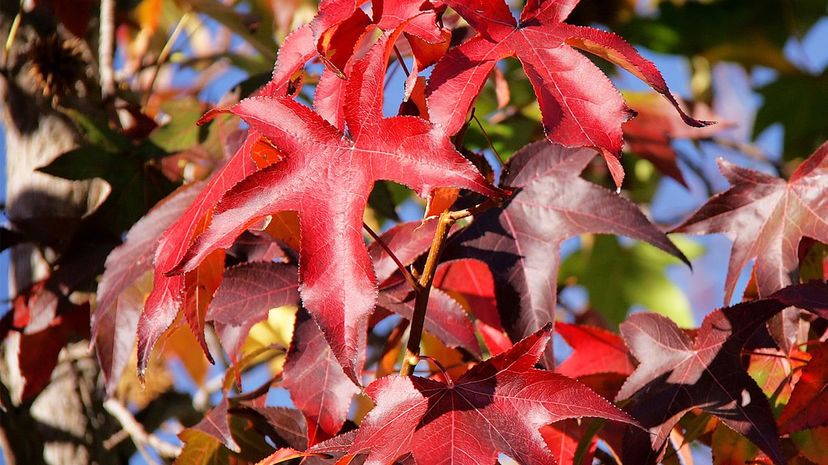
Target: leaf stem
(165, 53)
(402, 62)
(406, 273)
(426, 278)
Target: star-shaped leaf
(766, 218)
(521, 241)
(499, 405)
(165, 300)
(580, 106)
(678, 372)
(327, 176)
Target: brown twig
(402, 62)
(405, 271)
(426, 278)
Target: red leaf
(594, 351)
(38, 353)
(520, 242)
(165, 300)
(471, 281)
(327, 177)
(317, 384)
(580, 106)
(563, 437)
(216, 424)
(445, 318)
(407, 240)
(766, 218)
(499, 405)
(678, 372)
(116, 317)
(245, 296)
(808, 406)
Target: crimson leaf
(580, 106)
(327, 177)
(500, 405)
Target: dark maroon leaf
(445, 318)
(216, 424)
(115, 319)
(766, 218)
(677, 372)
(520, 242)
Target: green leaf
(261, 40)
(83, 163)
(98, 133)
(618, 277)
(181, 132)
(707, 29)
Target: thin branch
(136, 431)
(106, 48)
(488, 139)
(412, 348)
(164, 55)
(402, 62)
(15, 26)
(405, 271)
(426, 279)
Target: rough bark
(66, 423)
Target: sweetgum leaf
(316, 382)
(245, 296)
(594, 350)
(766, 218)
(500, 405)
(115, 319)
(807, 405)
(166, 298)
(327, 176)
(333, 34)
(678, 372)
(580, 106)
(520, 242)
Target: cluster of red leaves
(498, 276)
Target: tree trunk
(66, 423)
